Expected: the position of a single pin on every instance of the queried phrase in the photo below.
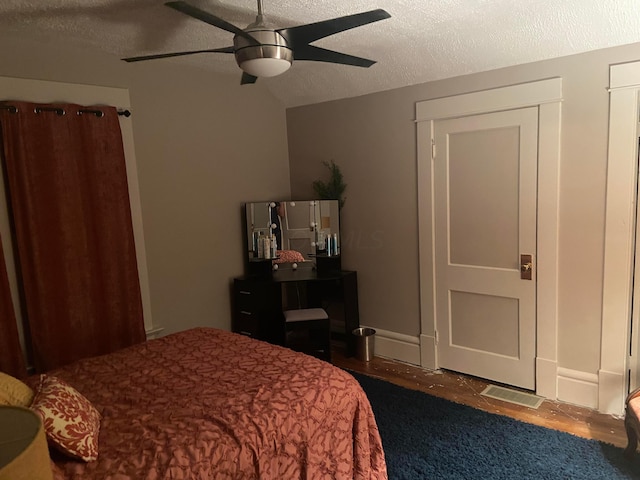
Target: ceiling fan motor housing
(270, 58)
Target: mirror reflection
(292, 231)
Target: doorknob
(526, 266)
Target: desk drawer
(247, 299)
(247, 323)
(256, 304)
(256, 296)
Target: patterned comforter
(210, 404)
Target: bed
(210, 404)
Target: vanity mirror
(302, 231)
(306, 273)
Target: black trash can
(365, 338)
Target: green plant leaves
(334, 188)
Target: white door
(485, 178)
(298, 230)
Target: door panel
(298, 232)
(485, 217)
(473, 311)
(473, 212)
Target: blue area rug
(428, 437)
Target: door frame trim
(547, 96)
(619, 239)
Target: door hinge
(435, 335)
(433, 149)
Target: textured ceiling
(423, 40)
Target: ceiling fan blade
(247, 78)
(317, 54)
(311, 32)
(178, 54)
(211, 19)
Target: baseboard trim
(154, 332)
(428, 355)
(397, 346)
(547, 378)
(578, 388)
(611, 392)
(566, 385)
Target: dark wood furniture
(308, 330)
(259, 302)
(631, 421)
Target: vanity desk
(260, 300)
(269, 288)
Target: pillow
(13, 392)
(289, 256)
(71, 422)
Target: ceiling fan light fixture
(270, 58)
(265, 67)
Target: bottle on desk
(260, 246)
(267, 247)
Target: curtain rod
(60, 111)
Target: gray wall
(373, 139)
(204, 145)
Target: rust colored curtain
(11, 359)
(68, 191)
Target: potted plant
(334, 188)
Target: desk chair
(308, 330)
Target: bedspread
(210, 404)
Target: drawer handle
(248, 334)
(244, 312)
(244, 292)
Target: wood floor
(463, 389)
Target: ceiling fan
(262, 50)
